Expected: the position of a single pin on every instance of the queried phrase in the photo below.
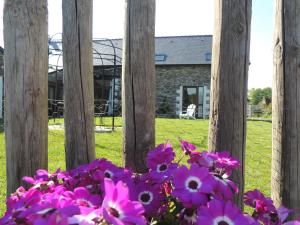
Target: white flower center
(115, 209)
(146, 197)
(108, 174)
(161, 168)
(193, 184)
(222, 220)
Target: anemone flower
(162, 154)
(117, 208)
(192, 186)
(221, 213)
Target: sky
(180, 17)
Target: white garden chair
(189, 113)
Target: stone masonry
(169, 79)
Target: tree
(256, 95)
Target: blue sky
(182, 17)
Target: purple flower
(89, 219)
(221, 213)
(187, 147)
(265, 210)
(52, 216)
(102, 168)
(203, 159)
(162, 154)
(294, 222)
(42, 176)
(283, 213)
(188, 216)
(225, 163)
(149, 195)
(193, 186)
(163, 172)
(224, 188)
(82, 197)
(257, 200)
(117, 208)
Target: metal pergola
(107, 63)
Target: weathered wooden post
(286, 103)
(230, 62)
(138, 83)
(78, 82)
(26, 88)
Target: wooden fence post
(26, 89)
(138, 83)
(230, 62)
(286, 103)
(78, 82)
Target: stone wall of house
(169, 79)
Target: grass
(108, 145)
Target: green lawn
(258, 154)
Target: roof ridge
(157, 37)
(176, 36)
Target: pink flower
(187, 147)
(225, 163)
(117, 208)
(203, 159)
(265, 210)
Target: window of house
(160, 57)
(208, 56)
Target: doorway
(193, 95)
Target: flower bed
(169, 193)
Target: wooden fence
(25, 38)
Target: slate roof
(170, 50)
(184, 49)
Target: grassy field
(108, 145)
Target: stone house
(183, 67)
